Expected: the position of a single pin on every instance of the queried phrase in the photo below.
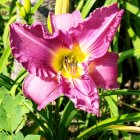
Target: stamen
(66, 61)
(75, 68)
(70, 65)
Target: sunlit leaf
(132, 8)
(87, 8)
(107, 122)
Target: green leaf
(108, 2)
(113, 105)
(3, 116)
(4, 1)
(5, 84)
(134, 129)
(64, 118)
(6, 79)
(13, 110)
(7, 51)
(120, 92)
(19, 99)
(135, 38)
(21, 125)
(125, 135)
(113, 102)
(18, 136)
(87, 8)
(103, 124)
(18, 80)
(8, 104)
(32, 137)
(135, 137)
(3, 91)
(70, 118)
(18, 117)
(3, 136)
(28, 106)
(37, 5)
(80, 5)
(129, 53)
(132, 8)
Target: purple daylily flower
(73, 60)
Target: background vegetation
(120, 109)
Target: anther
(66, 61)
(70, 65)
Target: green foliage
(19, 118)
(87, 8)
(18, 136)
(103, 124)
(13, 112)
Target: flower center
(68, 62)
(70, 65)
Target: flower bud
(22, 12)
(27, 6)
(21, 9)
(62, 6)
(49, 24)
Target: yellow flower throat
(68, 62)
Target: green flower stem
(130, 106)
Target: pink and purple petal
(96, 32)
(34, 49)
(104, 71)
(83, 93)
(65, 21)
(41, 91)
